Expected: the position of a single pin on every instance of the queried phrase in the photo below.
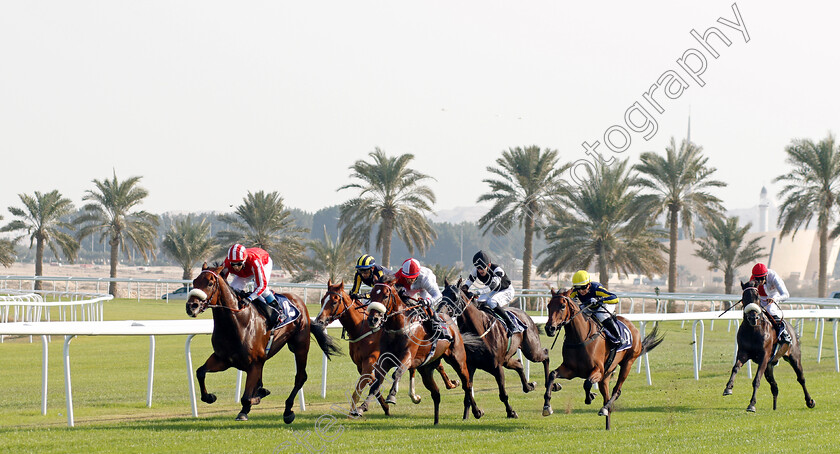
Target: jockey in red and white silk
(771, 292)
(257, 268)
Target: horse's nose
(549, 330)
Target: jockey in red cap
(418, 282)
(771, 292)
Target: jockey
(254, 264)
(368, 273)
(771, 292)
(594, 300)
(501, 291)
(420, 283)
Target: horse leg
(404, 363)
(430, 384)
(499, 375)
(616, 392)
(515, 364)
(450, 384)
(561, 372)
(301, 354)
(757, 382)
(213, 364)
(774, 388)
(456, 357)
(587, 392)
(249, 395)
(742, 358)
(533, 350)
(795, 361)
(411, 392)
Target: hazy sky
(207, 100)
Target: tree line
(608, 222)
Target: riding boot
(271, 314)
(438, 324)
(609, 325)
(784, 335)
(509, 323)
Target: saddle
(521, 326)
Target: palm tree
(41, 217)
(679, 181)
(109, 214)
(263, 221)
(528, 183)
(811, 189)
(188, 243)
(724, 248)
(7, 251)
(605, 221)
(392, 197)
(446, 273)
(334, 258)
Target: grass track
(677, 413)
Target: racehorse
(364, 343)
(585, 352)
(757, 340)
(489, 347)
(414, 345)
(240, 339)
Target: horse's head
(559, 311)
(384, 301)
(454, 299)
(752, 303)
(208, 288)
(334, 303)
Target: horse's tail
(652, 340)
(325, 341)
(475, 347)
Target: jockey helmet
(237, 253)
(759, 270)
(410, 269)
(365, 262)
(580, 279)
(481, 259)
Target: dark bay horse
(585, 352)
(364, 343)
(414, 346)
(239, 339)
(757, 340)
(488, 346)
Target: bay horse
(240, 339)
(488, 345)
(364, 344)
(757, 340)
(415, 346)
(585, 352)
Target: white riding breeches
(497, 299)
(599, 312)
(773, 309)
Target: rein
(565, 323)
(217, 306)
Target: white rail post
(190, 381)
(151, 371)
(44, 370)
(68, 389)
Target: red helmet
(759, 270)
(410, 269)
(237, 253)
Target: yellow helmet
(580, 279)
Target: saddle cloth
(289, 313)
(626, 340)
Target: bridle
(344, 304)
(207, 300)
(567, 302)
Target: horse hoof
(512, 415)
(478, 414)
(751, 409)
(453, 384)
(547, 410)
(556, 387)
(288, 417)
(355, 414)
(262, 392)
(415, 399)
(529, 387)
(210, 398)
(363, 406)
(392, 401)
(811, 403)
(242, 417)
(727, 392)
(604, 412)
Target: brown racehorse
(756, 341)
(239, 339)
(488, 346)
(585, 352)
(364, 342)
(411, 344)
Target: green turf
(677, 413)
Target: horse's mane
(389, 279)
